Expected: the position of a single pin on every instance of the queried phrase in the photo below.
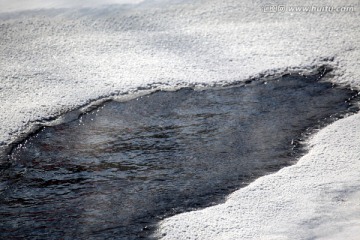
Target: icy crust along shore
(55, 60)
(318, 198)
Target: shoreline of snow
(69, 114)
(317, 198)
(53, 61)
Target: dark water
(118, 170)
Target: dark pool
(114, 173)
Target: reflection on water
(118, 170)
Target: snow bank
(55, 60)
(318, 198)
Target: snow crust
(318, 198)
(25, 5)
(56, 60)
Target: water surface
(113, 173)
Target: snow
(318, 198)
(25, 5)
(56, 60)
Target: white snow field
(24, 5)
(58, 59)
